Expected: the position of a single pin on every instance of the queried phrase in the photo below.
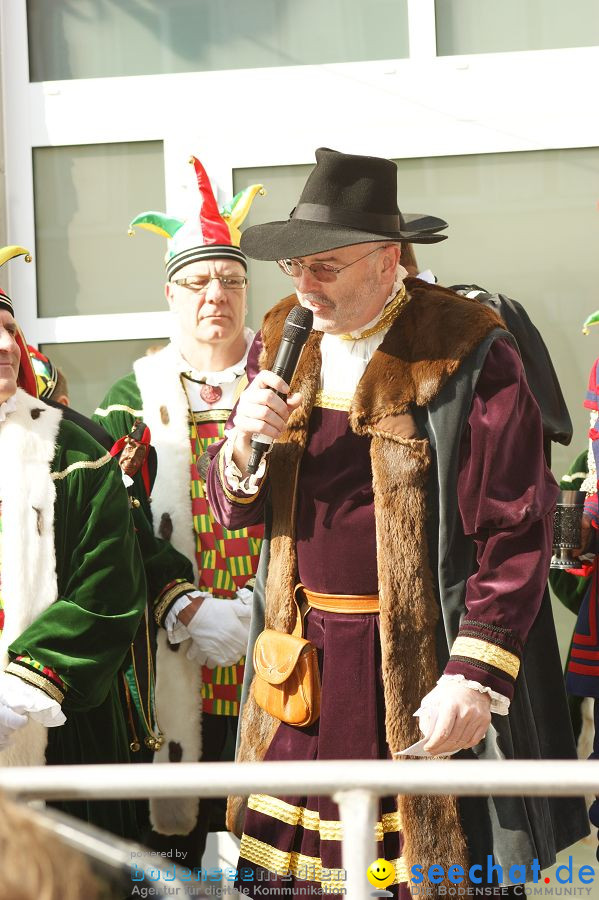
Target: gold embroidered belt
(339, 603)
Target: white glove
(10, 721)
(220, 629)
(453, 717)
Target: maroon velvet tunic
(505, 501)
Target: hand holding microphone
(264, 407)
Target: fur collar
(424, 347)
(166, 413)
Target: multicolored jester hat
(212, 234)
(26, 379)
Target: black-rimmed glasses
(200, 283)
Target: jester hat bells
(347, 199)
(212, 234)
(26, 379)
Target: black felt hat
(347, 200)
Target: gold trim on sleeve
(487, 653)
(82, 464)
(117, 407)
(173, 593)
(38, 681)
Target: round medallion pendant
(211, 393)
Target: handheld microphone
(296, 332)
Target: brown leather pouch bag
(287, 680)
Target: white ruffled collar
(8, 407)
(225, 376)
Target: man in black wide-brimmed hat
(409, 508)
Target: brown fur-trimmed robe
(427, 365)
(421, 351)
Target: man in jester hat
(51, 382)
(185, 393)
(72, 589)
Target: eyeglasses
(200, 283)
(320, 271)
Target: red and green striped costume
(226, 560)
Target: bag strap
(301, 608)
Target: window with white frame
(85, 197)
(107, 38)
(484, 138)
(485, 26)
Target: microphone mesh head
(298, 324)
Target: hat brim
(302, 237)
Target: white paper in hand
(429, 716)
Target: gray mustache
(317, 298)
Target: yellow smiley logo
(380, 873)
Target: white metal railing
(354, 785)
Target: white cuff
(28, 700)
(499, 703)
(235, 480)
(176, 630)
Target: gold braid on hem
(329, 829)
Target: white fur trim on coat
(178, 680)
(29, 586)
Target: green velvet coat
(73, 588)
